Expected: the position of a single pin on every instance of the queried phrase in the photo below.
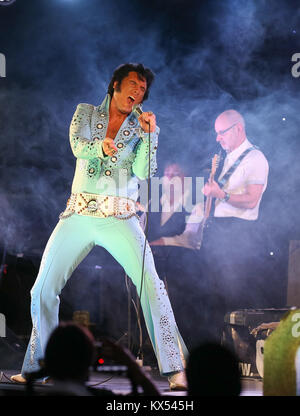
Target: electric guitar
(208, 201)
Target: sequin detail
(101, 206)
(33, 342)
(93, 168)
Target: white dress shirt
(253, 169)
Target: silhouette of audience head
(69, 352)
(213, 370)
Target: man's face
(131, 92)
(172, 171)
(227, 133)
(173, 179)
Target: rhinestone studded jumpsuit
(75, 235)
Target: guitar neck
(208, 200)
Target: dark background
(208, 56)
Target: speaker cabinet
(245, 332)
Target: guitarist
(232, 251)
(242, 195)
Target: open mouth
(131, 99)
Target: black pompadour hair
(123, 70)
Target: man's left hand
(213, 190)
(147, 119)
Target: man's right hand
(108, 146)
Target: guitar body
(208, 202)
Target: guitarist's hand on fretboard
(213, 190)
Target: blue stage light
(6, 2)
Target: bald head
(230, 129)
(231, 117)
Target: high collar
(104, 106)
(238, 151)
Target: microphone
(137, 110)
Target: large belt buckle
(92, 205)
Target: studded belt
(101, 206)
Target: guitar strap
(230, 171)
(222, 182)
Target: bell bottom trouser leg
(71, 241)
(67, 246)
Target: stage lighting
(2, 65)
(6, 2)
(2, 326)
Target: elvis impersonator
(111, 145)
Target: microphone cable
(138, 112)
(145, 241)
